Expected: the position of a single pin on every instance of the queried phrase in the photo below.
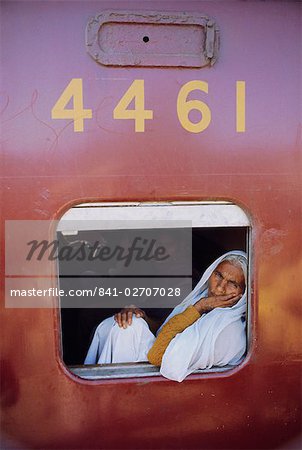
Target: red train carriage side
(150, 111)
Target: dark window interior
(78, 324)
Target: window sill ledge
(128, 370)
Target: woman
(207, 329)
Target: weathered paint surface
(174, 40)
(47, 167)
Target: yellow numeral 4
(139, 113)
(73, 91)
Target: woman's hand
(205, 305)
(124, 317)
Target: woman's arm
(175, 325)
(124, 318)
(181, 321)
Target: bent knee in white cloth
(113, 344)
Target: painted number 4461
(136, 92)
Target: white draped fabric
(218, 338)
(112, 344)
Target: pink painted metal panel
(47, 168)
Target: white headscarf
(217, 338)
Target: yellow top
(175, 325)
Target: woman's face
(226, 279)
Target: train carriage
(121, 119)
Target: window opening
(79, 229)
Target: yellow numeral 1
(74, 91)
(240, 106)
(137, 92)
